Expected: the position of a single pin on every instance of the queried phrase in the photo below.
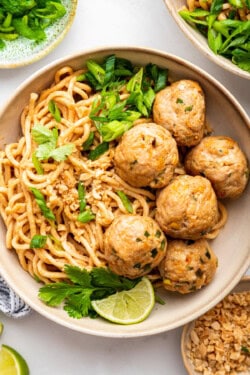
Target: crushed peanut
(219, 343)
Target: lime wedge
(127, 307)
(11, 362)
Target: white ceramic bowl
(226, 116)
(243, 286)
(200, 41)
(23, 51)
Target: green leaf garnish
(86, 216)
(125, 201)
(84, 287)
(47, 141)
(98, 151)
(54, 110)
(46, 211)
(37, 164)
(88, 143)
(81, 196)
(38, 241)
(61, 153)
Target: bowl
(243, 286)
(231, 244)
(22, 51)
(200, 41)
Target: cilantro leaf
(78, 275)
(61, 153)
(38, 241)
(103, 277)
(47, 141)
(54, 294)
(84, 287)
(78, 305)
(41, 134)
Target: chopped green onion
(88, 143)
(54, 110)
(37, 164)
(81, 196)
(98, 151)
(46, 211)
(125, 201)
(86, 216)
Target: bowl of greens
(82, 243)
(219, 28)
(29, 30)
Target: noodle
(69, 241)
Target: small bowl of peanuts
(218, 342)
(219, 29)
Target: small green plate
(23, 51)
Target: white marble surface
(50, 348)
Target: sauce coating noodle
(68, 240)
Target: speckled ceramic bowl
(23, 51)
(243, 286)
(227, 117)
(200, 41)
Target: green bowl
(23, 51)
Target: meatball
(146, 156)
(180, 108)
(134, 245)
(188, 265)
(187, 208)
(221, 160)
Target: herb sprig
(47, 146)
(84, 287)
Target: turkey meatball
(221, 160)
(134, 245)
(180, 108)
(188, 265)
(146, 156)
(187, 208)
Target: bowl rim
(246, 121)
(44, 52)
(186, 328)
(223, 62)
